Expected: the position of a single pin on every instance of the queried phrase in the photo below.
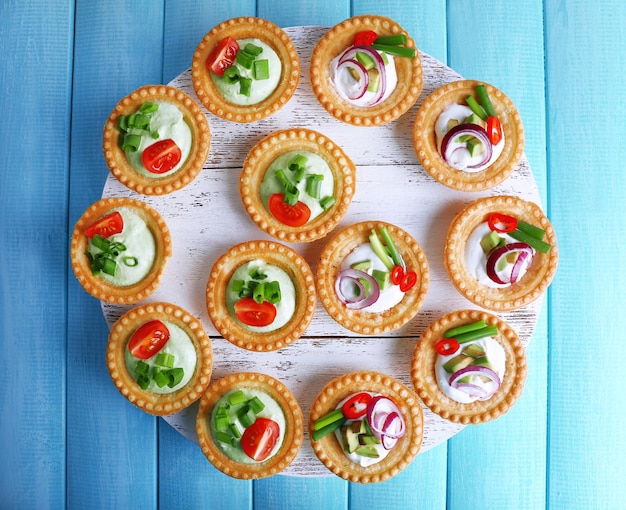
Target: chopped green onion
(398, 51)
(165, 359)
(533, 242)
(130, 261)
(244, 86)
(291, 194)
(234, 430)
(392, 40)
(222, 423)
(109, 266)
(154, 135)
(483, 97)
(224, 437)
(148, 107)
(253, 49)
(380, 251)
(313, 184)
(244, 59)
(142, 368)
(272, 292)
(175, 376)
(161, 378)
(332, 417)
(222, 409)
(231, 75)
(122, 123)
(256, 274)
(391, 247)
(297, 162)
(237, 285)
(451, 333)
(246, 416)
(101, 242)
(258, 294)
(143, 382)
(256, 405)
(282, 178)
(261, 70)
(476, 108)
(139, 121)
(327, 202)
(477, 334)
(236, 397)
(531, 230)
(130, 142)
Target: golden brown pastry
(471, 381)
(119, 249)
(457, 172)
(303, 158)
(367, 96)
(261, 295)
(244, 93)
(390, 297)
(366, 427)
(159, 358)
(249, 425)
(156, 140)
(494, 269)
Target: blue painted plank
(36, 49)
(111, 453)
(585, 61)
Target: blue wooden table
(67, 438)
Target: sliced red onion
(525, 254)
(474, 390)
(447, 148)
(364, 78)
(362, 300)
(385, 419)
(350, 54)
(474, 370)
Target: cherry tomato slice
(356, 406)
(365, 38)
(254, 314)
(447, 346)
(259, 439)
(149, 339)
(290, 215)
(223, 55)
(502, 223)
(162, 156)
(106, 227)
(397, 273)
(408, 281)
(494, 129)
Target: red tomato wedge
(106, 227)
(259, 439)
(494, 130)
(162, 156)
(356, 406)
(290, 215)
(149, 339)
(254, 314)
(223, 55)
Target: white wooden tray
(207, 217)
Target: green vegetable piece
(476, 108)
(143, 382)
(451, 123)
(474, 146)
(474, 119)
(327, 202)
(261, 70)
(385, 58)
(535, 243)
(457, 363)
(313, 184)
(140, 121)
(367, 451)
(324, 431)
(130, 142)
(365, 440)
(272, 292)
(349, 439)
(365, 59)
(380, 251)
(165, 359)
(291, 194)
(148, 107)
(364, 265)
(374, 80)
(253, 49)
(298, 174)
(258, 294)
(483, 97)
(130, 261)
(473, 350)
(231, 75)
(473, 326)
(392, 40)
(246, 416)
(482, 361)
(391, 247)
(224, 437)
(256, 405)
(142, 368)
(122, 123)
(236, 397)
(161, 378)
(332, 417)
(490, 242)
(222, 409)
(109, 266)
(382, 278)
(282, 178)
(257, 274)
(477, 334)
(531, 230)
(297, 162)
(367, 286)
(102, 243)
(234, 430)
(244, 59)
(244, 86)
(222, 423)
(237, 286)
(398, 51)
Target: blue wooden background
(68, 439)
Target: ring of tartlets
(271, 147)
(294, 425)
(157, 185)
(98, 287)
(273, 253)
(333, 43)
(242, 28)
(425, 142)
(330, 452)
(480, 411)
(328, 269)
(155, 403)
(539, 274)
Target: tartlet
(334, 43)
(329, 450)
(293, 311)
(245, 28)
(292, 435)
(530, 285)
(287, 143)
(424, 378)
(329, 267)
(187, 339)
(154, 229)
(425, 142)
(158, 180)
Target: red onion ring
(474, 390)
(385, 420)
(476, 370)
(350, 54)
(466, 129)
(361, 301)
(364, 78)
(525, 253)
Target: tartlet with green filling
(245, 69)
(366, 426)
(366, 71)
(260, 295)
(468, 135)
(372, 277)
(249, 425)
(159, 358)
(119, 248)
(501, 252)
(156, 140)
(297, 184)
(469, 367)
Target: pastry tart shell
(425, 381)
(329, 267)
(539, 274)
(425, 142)
(330, 452)
(294, 425)
(263, 154)
(246, 28)
(272, 253)
(98, 287)
(155, 403)
(193, 116)
(336, 41)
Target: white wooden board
(207, 217)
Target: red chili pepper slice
(365, 38)
(502, 223)
(356, 406)
(397, 273)
(447, 346)
(408, 281)
(494, 129)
